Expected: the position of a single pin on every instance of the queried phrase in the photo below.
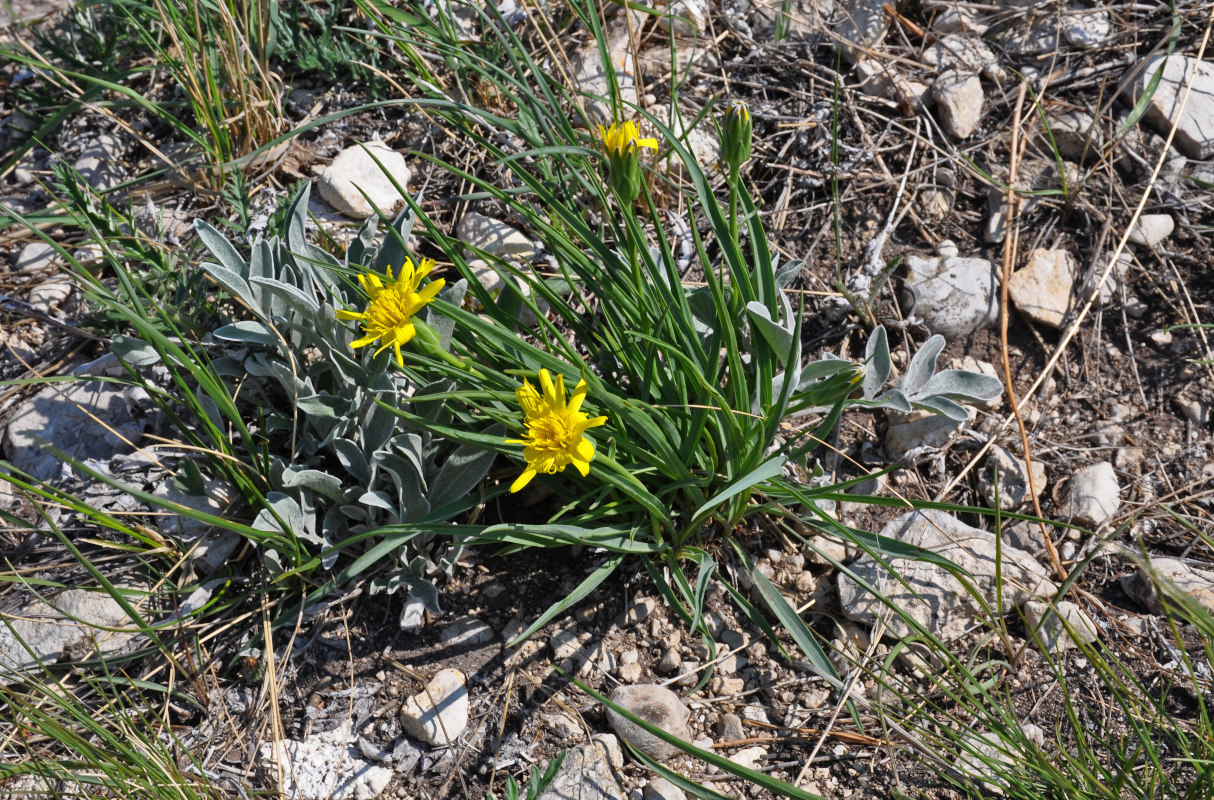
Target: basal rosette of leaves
(339, 474)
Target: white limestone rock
(100, 163)
(1057, 632)
(1151, 229)
(1093, 495)
(591, 771)
(658, 706)
(355, 168)
(326, 766)
(1194, 582)
(861, 26)
(1195, 121)
(69, 626)
(37, 256)
(87, 420)
(959, 102)
(953, 296)
(1013, 484)
(494, 237)
(439, 713)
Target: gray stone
(662, 789)
(68, 627)
(861, 27)
(439, 713)
(1041, 289)
(100, 163)
(1024, 535)
(1092, 495)
(659, 707)
(669, 662)
(909, 435)
(729, 728)
(1074, 133)
(1195, 122)
(327, 765)
(37, 256)
(882, 78)
(466, 633)
(684, 17)
(565, 644)
(355, 168)
(590, 75)
(49, 296)
(1013, 489)
(495, 238)
(1191, 581)
(1057, 632)
(1151, 229)
(749, 757)
(1086, 28)
(955, 18)
(87, 420)
(590, 771)
(931, 595)
(963, 53)
(959, 101)
(1194, 409)
(953, 296)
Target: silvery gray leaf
(944, 406)
(877, 363)
(963, 385)
(462, 471)
(922, 366)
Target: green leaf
(768, 469)
(299, 302)
(135, 352)
(787, 616)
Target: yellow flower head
(555, 429)
(624, 137)
(389, 314)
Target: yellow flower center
(555, 436)
(389, 314)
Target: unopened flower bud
(737, 130)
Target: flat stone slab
(85, 419)
(931, 595)
(69, 626)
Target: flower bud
(737, 130)
(621, 143)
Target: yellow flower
(555, 429)
(389, 314)
(624, 137)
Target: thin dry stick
(1009, 255)
(1073, 329)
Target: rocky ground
(912, 122)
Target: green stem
(733, 205)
